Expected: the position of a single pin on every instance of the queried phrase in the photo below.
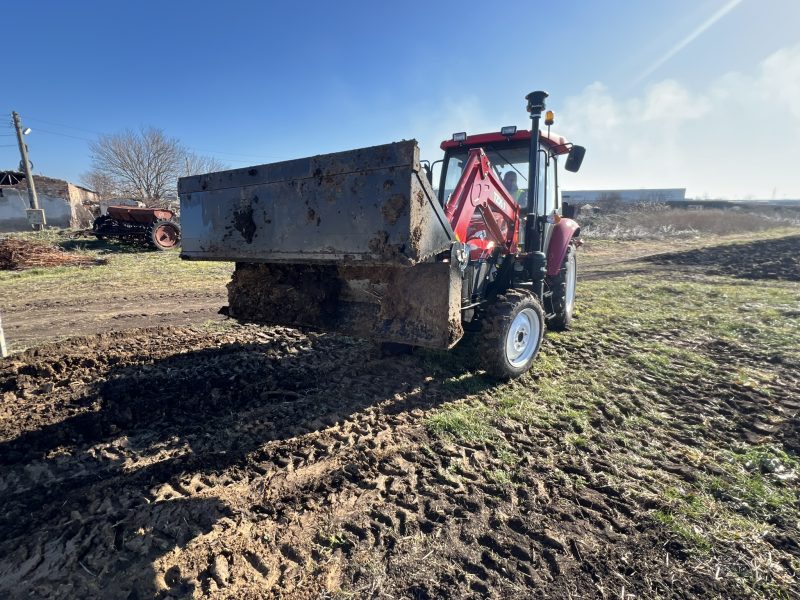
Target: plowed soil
(255, 462)
(761, 259)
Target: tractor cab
(508, 152)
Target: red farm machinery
(366, 243)
(153, 227)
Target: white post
(3, 349)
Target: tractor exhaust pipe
(533, 226)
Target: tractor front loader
(360, 243)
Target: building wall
(62, 203)
(59, 211)
(79, 194)
(641, 195)
(55, 188)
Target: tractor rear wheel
(164, 235)
(511, 334)
(561, 303)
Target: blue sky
(256, 82)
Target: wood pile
(17, 255)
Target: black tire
(496, 331)
(164, 235)
(558, 304)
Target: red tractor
(359, 242)
(154, 227)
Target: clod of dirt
(220, 570)
(289, 294)
(375, 302)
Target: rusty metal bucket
(353, 242)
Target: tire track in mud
(266, 462)
(65, 464)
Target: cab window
(510, 164)
(551, 198)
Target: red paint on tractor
(480, 209)
(563, 233)
(555, 143)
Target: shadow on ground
(103, 246)
(76, 488)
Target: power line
(249, 157)
(40, 130)
(65, 126)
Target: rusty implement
(353, 242)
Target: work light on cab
(508, 130)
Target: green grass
(501, 477)
(465, 423)
(138, 272)
(639, 340)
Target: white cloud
(781, 78)
(738, 136)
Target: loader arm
(479, 189)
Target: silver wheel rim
(571, 281)
(523, 337)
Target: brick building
(61, 200)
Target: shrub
(647, 221)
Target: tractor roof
(556, 143)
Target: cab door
(552, 201)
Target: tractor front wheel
(511, 334)
(561, 303)
(164, 235)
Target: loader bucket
(353, 242)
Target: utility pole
(36, 218)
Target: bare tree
(194, 164)
(101, 183)
(144, 165)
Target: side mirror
(575, 159)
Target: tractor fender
(560, 239)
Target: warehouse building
(576, 197)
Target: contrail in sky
(689, 38)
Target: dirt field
(651, 452)
(135, 289)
